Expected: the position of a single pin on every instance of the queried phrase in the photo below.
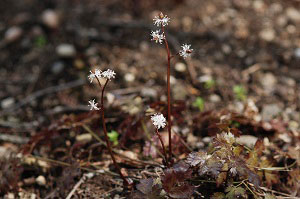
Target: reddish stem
(106, 136)
(163, 146)
(169, 93)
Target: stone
(129, 77)
(41, 180)
(66, 50)
(13, 33)
(267, 34)
(57, 67)
(293, 14)
(214, 98)
(50, 18)
(268, 81)
(248, 140)
(297, 53)
(7, 103)
(84, 137)
(180, 67)
(270, 111)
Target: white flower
(157, 37)
(93, 75)
(108, 74)
(185, 51)
(233, 171)
(158, 120)
(229, 137)
(98, 73)
(93, 105)
(161, 20)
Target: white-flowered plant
(93, 105)
(157, 36)
(185, 51)
(108, 74)
(158, 120)
(161, 20)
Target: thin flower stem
(163, 146)
(106, 136)
(99, 82)
(169, 94)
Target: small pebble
(7, 103)
(180, 67)
(293, 14)
(214, 98)
(129, 77)
(66, 50)
(267, 34)
(297, 53)
(57, 67)
(206, 140)
(50, 18)
(84, 137)
(13, 33)
(204, 78)
(41, 180)
(9, 196)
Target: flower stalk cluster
(108, 75)
(159, 36)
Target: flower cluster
(185, 51)
(93, 105)
(157, 36)
(161, 20)
(108, 74)
(158, 120)
(96, 74)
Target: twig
(82, 179)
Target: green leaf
(235, 192)
(199, 103)
(40, 41)
(240, 92)
(209, 84)
(113, 137)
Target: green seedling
(40, 41)
(113, 137)
(199, 103)
(209, 84)
(240, 92)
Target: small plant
(108, 75)
(40, 41)
(199, 103)
(240, 92)
(159, 36)
(113, 137)
(159, 121)
(209, 84)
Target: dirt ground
(243, 76)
